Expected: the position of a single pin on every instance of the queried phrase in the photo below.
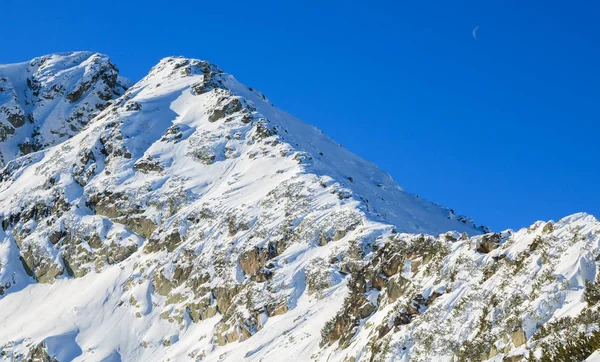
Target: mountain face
(187, 218)
(49, 99)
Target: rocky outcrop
(253, 261)
(488, 243)
(38, 353)
(117, 208)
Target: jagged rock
(396, 287)
(278, 308)
(209, 83)
(119, 253)
(140, 225)
(15, 119)
(262, 275)
(164, 285)
(225, 108)
(516, 358)
(366, 310)
(318, 276)
(40, 267)
(56, 236)
(252, 260)
(435, 295)
(392, 265)
(415, 264)
(226, 334)
(264, 131)
(342, 327)
(109, 205)
(488, 243)
(518, 338)
(224, 296)
(415, 305)
(534, 245)
(147, 165)
(402, 319)
(38, 353)
(202, 310)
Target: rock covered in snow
(190, 218)
(51, 98)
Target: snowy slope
(49, 99)
(192, 220)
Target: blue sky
(504, 128)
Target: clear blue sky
(504, 129)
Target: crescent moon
(475, 32)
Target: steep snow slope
(192, 220)
(49, 99)
(443, 299)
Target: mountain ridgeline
(185, 218)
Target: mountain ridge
(191, 219)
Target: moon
(475, 32)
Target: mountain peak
(51, 98)
(208, 76)
(227, 111)
(216, 226)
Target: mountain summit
(184, 217)
(49, 99)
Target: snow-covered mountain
(49, 99)
(187, 218)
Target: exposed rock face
(518, 338)
(254, 260)
(192, 219)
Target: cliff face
(190, 218)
